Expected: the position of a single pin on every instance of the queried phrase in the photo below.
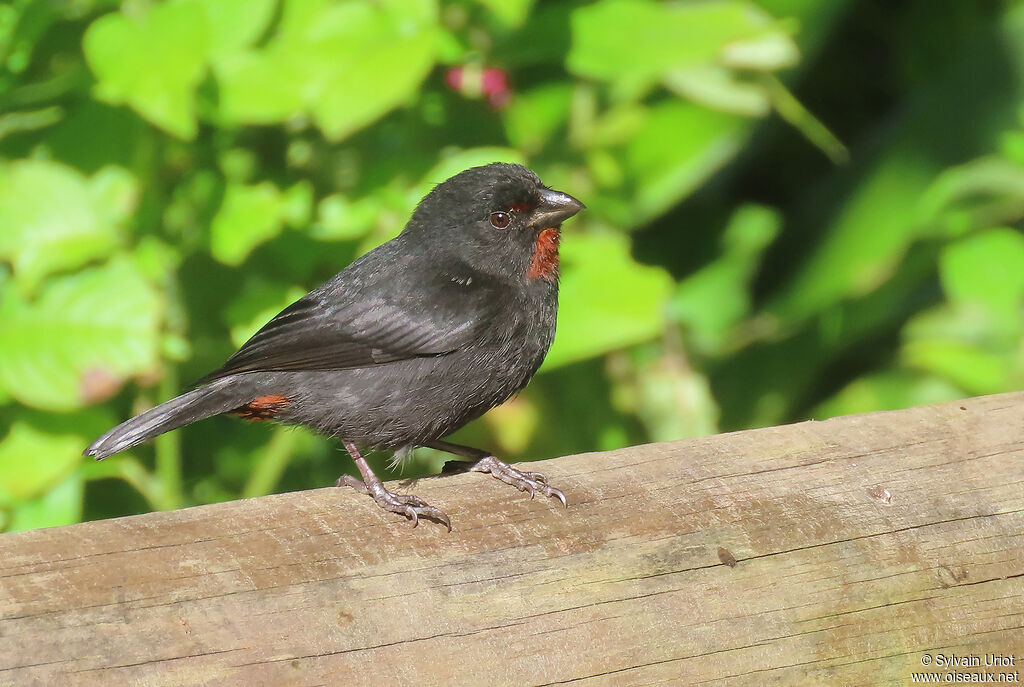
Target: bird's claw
(530, 482)
(412, 507)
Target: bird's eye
(500, 220)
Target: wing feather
(333, 329)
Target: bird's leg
(410, 506)
(481, 461)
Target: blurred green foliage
(174, 173)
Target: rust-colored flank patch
(544, 264)
(262, 407)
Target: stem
(168, 452)
(149, 166)
(793, 111)
(272, 462)
(131, 471)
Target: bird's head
(499, 219)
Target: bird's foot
(530, 482)
(412, 507)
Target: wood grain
(836, 552)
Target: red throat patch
(544, 264)
(262, 407)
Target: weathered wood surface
(835, 552)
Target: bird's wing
(328, 330)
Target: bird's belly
(409, 401)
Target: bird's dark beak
(554, 208)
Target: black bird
(409, 342)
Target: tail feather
(212, 399)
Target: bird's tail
(206, 401)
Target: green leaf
(341, 219)
(61, 505)
(849, 260)
(248, 216)
(32, 461)
(979, 194)
(968, 323)
(297, 204)
(152, 60)
(668, 395)
(607, 301)
(888, 390)
(642, 39)
(235, 24)
(767, 52)
(986, 268)
(53, 218)
(973, 369)
(353, 95)
(127, 467)
(14, 122)
(156, 259)
(678, 147)
(86, 330)
(717, 297)
(511, 13)
(260, 87)
(719, 88)
(532, 117)
(880, 216)
(347, 64)
(973, 341)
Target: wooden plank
(836, 552)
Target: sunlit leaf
(61, 505)
(889, 390)
(354, 94)
(99, 325)
(986, 268)
(511, 13)
(973, 369)
(533, 116)
(341, 219)
(852, 261)
(978, 194)
(259, 88)
(297, 204)
(55, 218)
(768, 51)
(32, 461)
(664, 36)
(346, 64)
(880, 211)
(607, 301)
(715, 298)
(971, 342)
(153, 60)
(679, 146)
(659, 386)
(234, 24)
(248, 216)
(719, 88)
(964, 321)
